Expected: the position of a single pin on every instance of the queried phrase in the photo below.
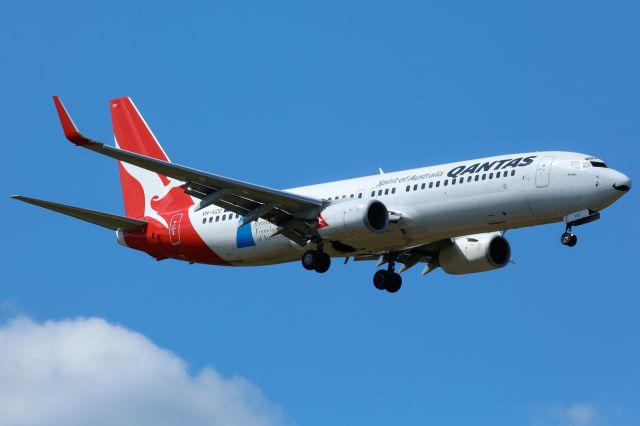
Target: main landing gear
(568, 238)
(316, 260)
(387, 279)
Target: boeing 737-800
(452, 216)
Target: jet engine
(475, 253)
(353, 220)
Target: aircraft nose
(622, 183)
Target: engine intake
(475, 253)
(354, 219)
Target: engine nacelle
(353, 220)
(475, 253)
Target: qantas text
(491, 165)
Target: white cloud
(87, 371)
(580, 414)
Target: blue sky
(292, 93)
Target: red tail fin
(145, 193)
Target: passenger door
(543, 173)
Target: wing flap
(106, 220)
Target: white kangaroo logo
(152, 187)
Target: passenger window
(423, 186)
(513, 172)
(446, 182)
(430, 185)
(210, 219)
(351, 196)
(469, 178)
(379, 192)
(224, 217)
(437, 184)
(386, 191)
(344, 196)
(360, 195)
(490, 175)
(204, 220)
(408, 188)
(498, 175)
(453, 181)
(477, 177)
(373, 193)
(217, 218)
(393, 190)
(415, 187)
(484, 176)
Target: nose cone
(622, 183)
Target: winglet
(70, 130)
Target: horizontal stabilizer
(107, 220)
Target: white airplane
(452, 216)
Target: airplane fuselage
(433, 203)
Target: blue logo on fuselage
(244, 236)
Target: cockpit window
(598, 164)
(586, 165)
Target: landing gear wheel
(315, 260)
(380, 279)
(569, 239)
(323, 262)
(394, 282)
(309, 259)
(385, 280)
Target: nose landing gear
(568, 238)
(388, 279)
(575, 219)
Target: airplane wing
(106, 220)
(295, 215)
(426, 253)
